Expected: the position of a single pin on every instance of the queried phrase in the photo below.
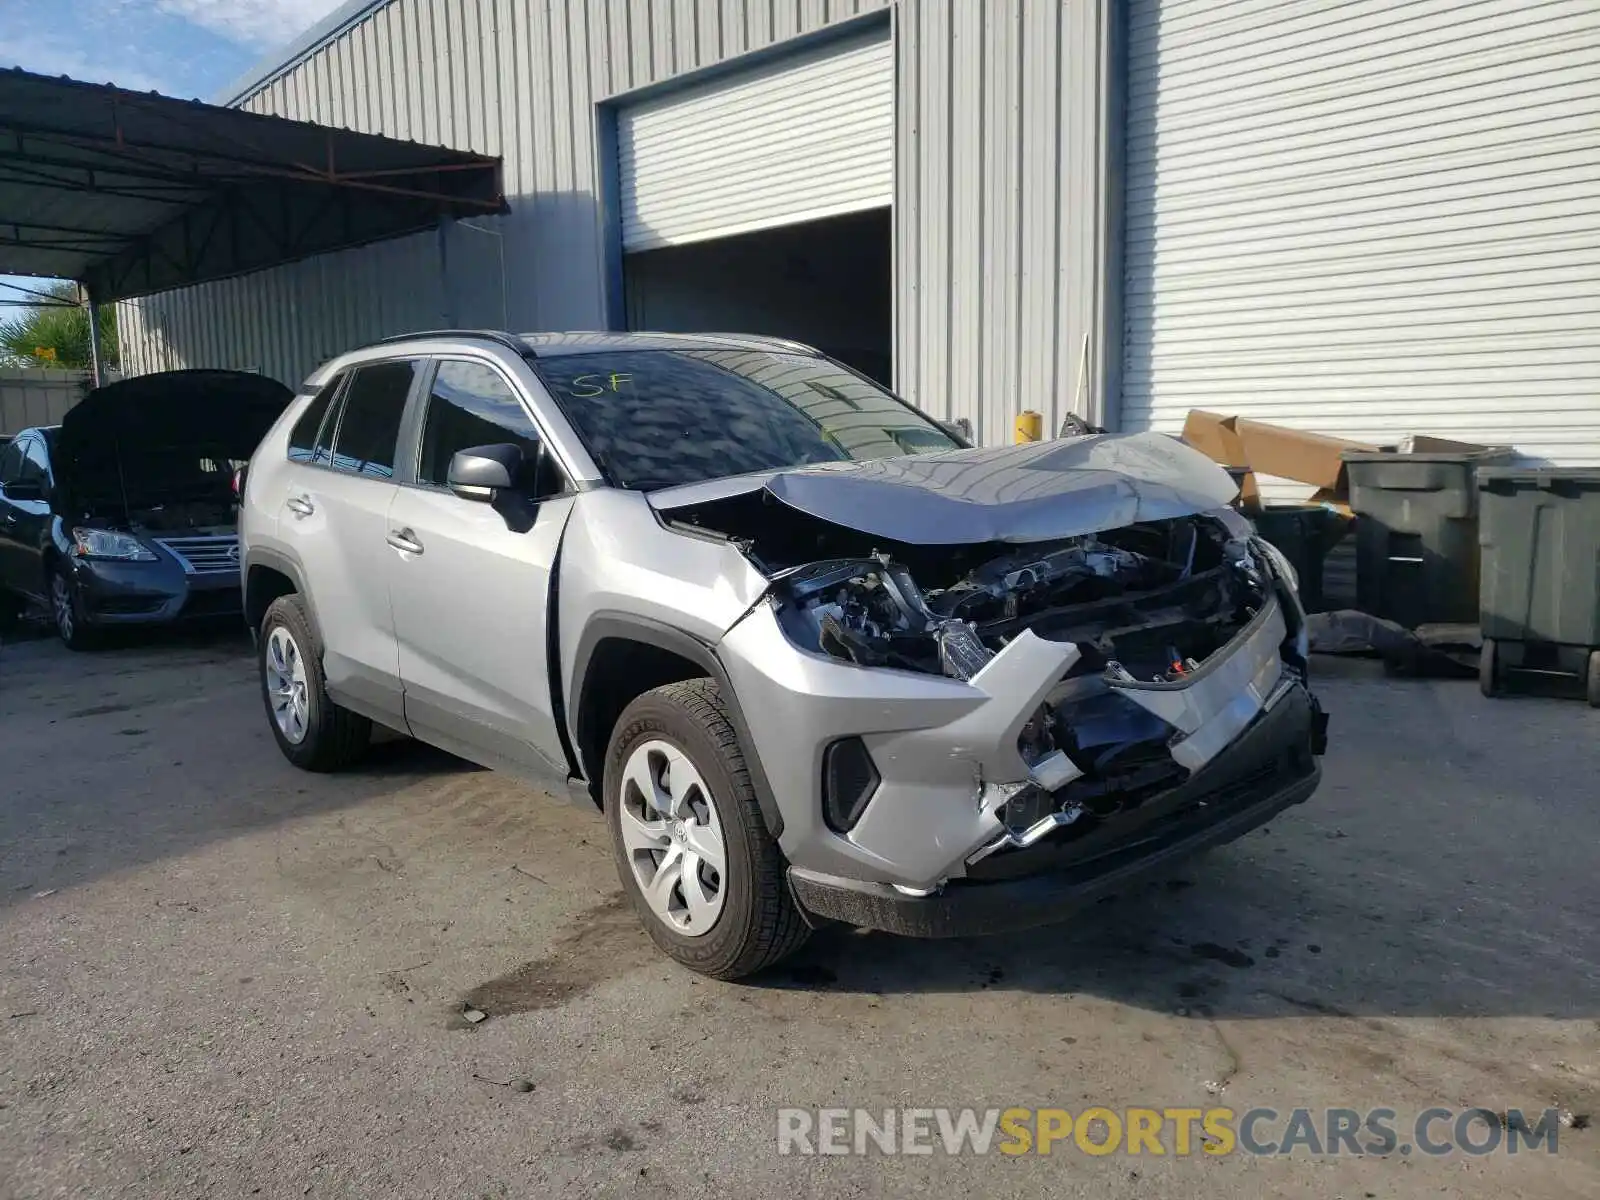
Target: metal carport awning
(131, 193)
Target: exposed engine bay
(194, 496)
(1147, 604)
(1151, 608)
(1152, 601)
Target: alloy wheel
(61, 605)
(286, 685)
(673, 838)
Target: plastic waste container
(1417, 533)
(1304, 533)
(1539, 531)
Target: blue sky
(179, 47)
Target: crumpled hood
(1042, 491)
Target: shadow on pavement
(1445, 868)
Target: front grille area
(216, 602)
(210, 555)
(127, 606)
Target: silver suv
(816, 658)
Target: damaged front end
(1013, 706)
(1184, 632)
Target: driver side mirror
(480, 472)
(23, 489)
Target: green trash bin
(1417, 533)
(1539, 531)
(1304, 533)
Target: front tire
(313, 732)
(1489, 668)
(66, 610)
(692, 850)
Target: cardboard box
(1265, 449)
(1312, 458)
(1217, 437)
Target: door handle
(404, 540)
(301, 506)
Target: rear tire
(1592, 684)
(741, 917)
(314, 733)
(1489, 669)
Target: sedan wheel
(286, 685)
(673, 837)
(61, 603)
(74, 634)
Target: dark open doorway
(827, 283)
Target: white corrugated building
(1364, 217)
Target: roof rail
(510, 341)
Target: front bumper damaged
(1270, 768)
(933, 838)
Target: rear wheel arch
(267, 577)
(620, 658)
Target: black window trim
(411, 429)
(24, 441)
(341, 380)
(16, 444)
(335, 413)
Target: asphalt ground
(223, 977)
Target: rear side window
(369, 423)
(303, 437)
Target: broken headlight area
(1149, 601)
(1184, 631)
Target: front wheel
(1592, 683)
(66, 607)
(692, 849)
(1489, 668)
(313, 732)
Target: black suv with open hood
(125, 512)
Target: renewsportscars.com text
(1098, 1130)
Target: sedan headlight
(107, 543)
(1281, 567)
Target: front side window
(659, 418)
(35, 462)
(471, 404)
(10, 463)
(303, 437)
(369, 425)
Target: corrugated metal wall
(1001, 214)
(1368, 219)
(505, 77)
(1000, 225)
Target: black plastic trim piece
(675, 641)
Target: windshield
(659, 418)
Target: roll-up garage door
(806, 136)
(1367, 218)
